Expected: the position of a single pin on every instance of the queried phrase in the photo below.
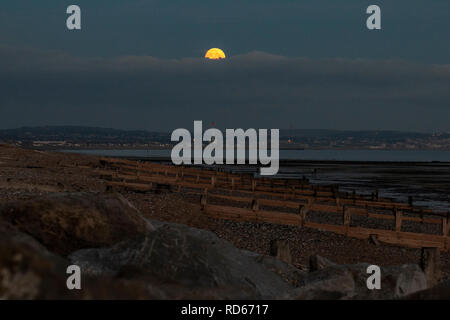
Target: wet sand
(427, 183)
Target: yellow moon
(215, 54)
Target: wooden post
(198, 178)
(203, 201)
(310, 202)
(445, 226)
(285, 195)
(213, 181)
(346, 215)
(138, 169)
(430, 262)
(255, 209)
(253, 184)
(232, 183)
(302, 211)
(255, 205)
(280, 249)
(398, 220)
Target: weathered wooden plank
(240, 214)
(133, 186)
(445, 226)
(398, 220)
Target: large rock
(317, 262)
(65, 222)
(350, 282)
(288, 272)
(396, 281)
(186, 263)
(438, 292)
(328, 283)
(431, 265)
(29, 271)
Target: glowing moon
(215, 54)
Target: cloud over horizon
(256, 89)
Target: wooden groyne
(294, 202)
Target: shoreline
(143, 148)
(285, 162)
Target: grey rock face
(191, 259)
(30, 271)
(287, 271)
(438, 292)
(27, 269)
(65, 222)
(185, 262)
(328, 283)
(409, 278)
(317, 262)
(350, 282)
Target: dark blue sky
(337, 75)
(412, 29)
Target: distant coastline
(90, 138)
(293, 155)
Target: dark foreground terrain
(54, 211)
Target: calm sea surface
(338, 155)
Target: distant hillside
(82, 135)
(78, 136)
(318, 133)
(335, 139)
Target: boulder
(330, 280)
(439, 292)
(350, 282)
(317, 262)
(329, 283)
(65, 222)
(431, 265)
(396, 281)
(27, 269)
(287, 271)
(30, 271)
(185, 263)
